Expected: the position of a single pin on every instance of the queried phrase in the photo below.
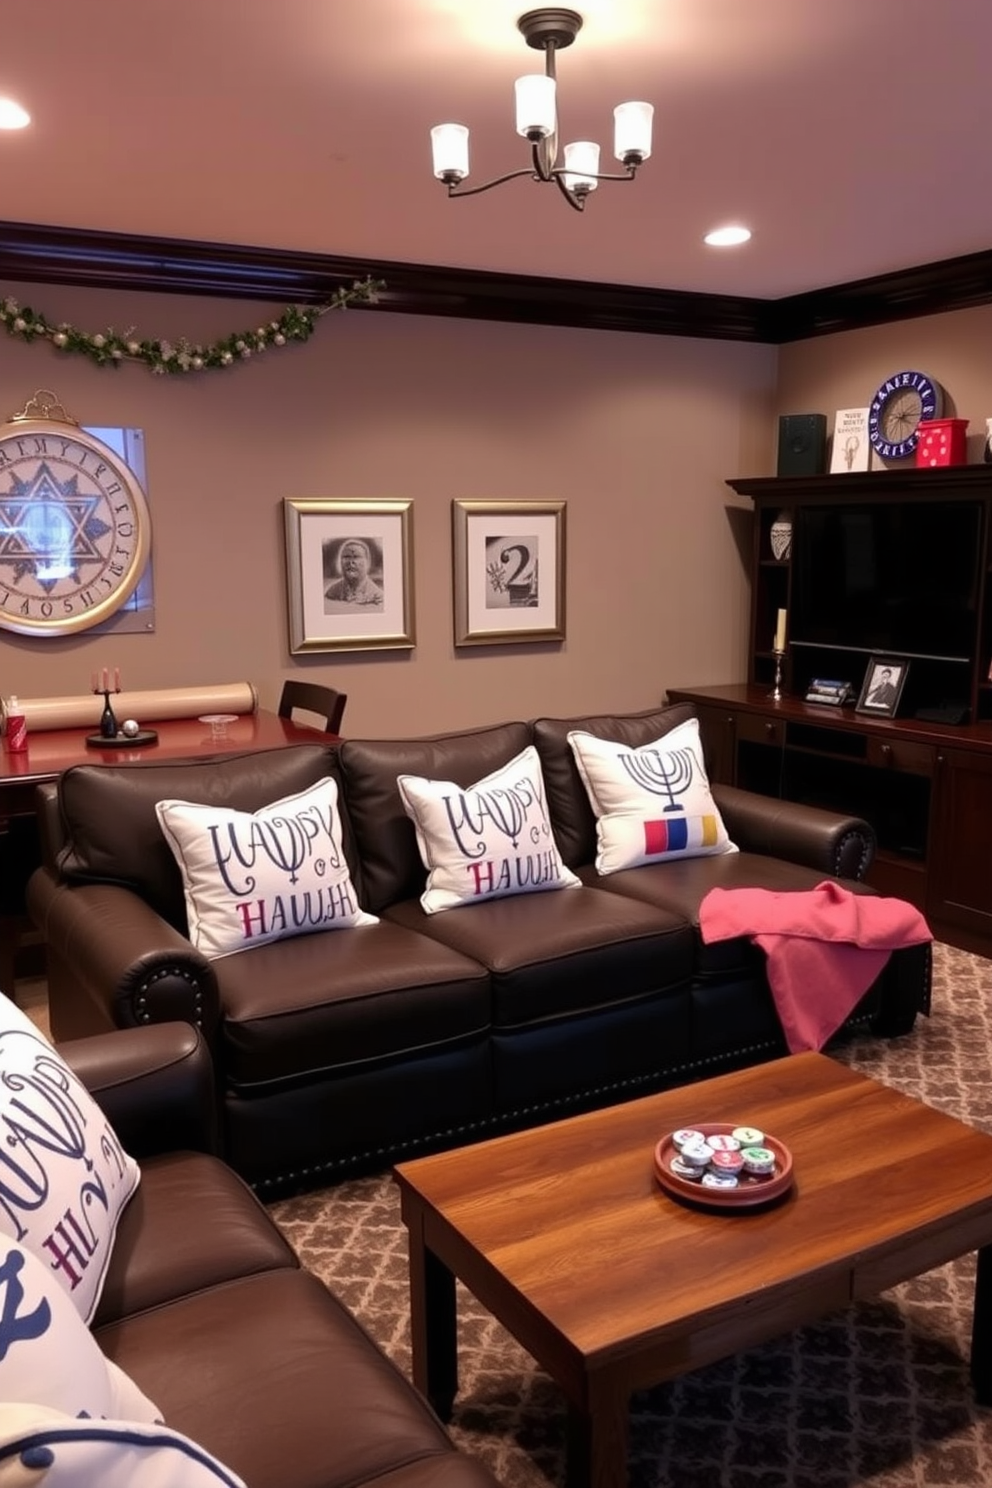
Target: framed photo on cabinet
(509, 571)
(882, 687)
(349, 576)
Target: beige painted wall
(843, 371)
(637, 433)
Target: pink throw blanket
(825, 947)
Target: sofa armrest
(827, 841)
(155, 1085)
(115, 963)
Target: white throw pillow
(48, 1355)
(488, 841)
(651, 803)
(64, 1177)
(251, 878)
(54, 1451)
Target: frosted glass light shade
(581, 166)
(12, 116)
(449, 144)
(535, 105)
(632, 129)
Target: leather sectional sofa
(345, 1050)
(206, 1308)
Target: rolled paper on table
(147, 707)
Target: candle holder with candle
(100, 686)
(110, 734)
(778, 651)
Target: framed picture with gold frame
(349, 576)
(509, 571)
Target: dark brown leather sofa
(206, 1307)
(346, 1050)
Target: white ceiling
(853, 136)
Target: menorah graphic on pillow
(663, 773)
(669, 773)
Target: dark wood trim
(953, 480)
(58, 255)
(55, 255)
(929, 289)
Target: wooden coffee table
(611, 1284)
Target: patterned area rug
(877, 1395)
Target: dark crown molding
(84, 259)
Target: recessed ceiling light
(12, 116)
(727, 237)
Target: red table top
(51, 751)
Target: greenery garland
(107, 348)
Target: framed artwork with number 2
(509, 571)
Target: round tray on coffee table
(752, 1190)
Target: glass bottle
(108, 719)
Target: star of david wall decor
(75, 533)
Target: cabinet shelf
(953, 673)
(925, 787)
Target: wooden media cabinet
(925, 788)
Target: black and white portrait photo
(352, 575)
(882, 687)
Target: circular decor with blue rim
(898, 408)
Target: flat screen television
(900, 578)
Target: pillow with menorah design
(488, 841)
(253, 877)
(651, 804)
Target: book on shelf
(850, 449)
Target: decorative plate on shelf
(752, 1190)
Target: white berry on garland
(107, 348)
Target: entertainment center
(891, 565)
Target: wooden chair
(326, 702)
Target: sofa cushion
(48, 1355)
(553, 956)
(64, 1177)
(652, 803)
(182, 1257)
(490, 840)
(252, 877)
(680, 887)
(111, 832)
(303, 1007)
(71, 1453)
(392, 868)
(327, 1408)
(572, 816)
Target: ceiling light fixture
(549, 30)
(12, 116)
(727, 237)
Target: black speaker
(802, 443)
